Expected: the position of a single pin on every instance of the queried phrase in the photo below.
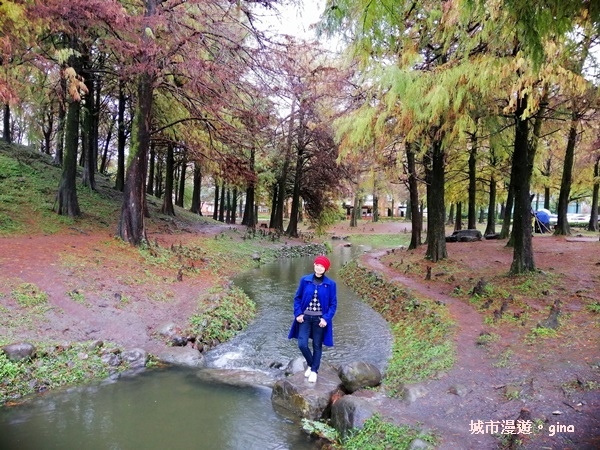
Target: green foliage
(28, 295)
(77, 296)
(52, 367)
(329, 216)
(320, 429)
(232, 313)
(9, 371)
(540, 333)
(378, 434)
(594, 307)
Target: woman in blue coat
(315, 304)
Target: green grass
(54, 366)
(215, 324)
(380, 240)
(377, 434)
(420, 351)
(593, 307)
(538, 333)
(29, 295)
(28, 185)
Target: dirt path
(449, 413)
(545, 380)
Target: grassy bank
(421, 329)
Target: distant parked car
(578, 219)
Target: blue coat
(327, 294)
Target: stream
(181, 408)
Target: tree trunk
(416, 220)
(66, 197)
(355, 211)
(87, 134)
(105, 160)
(274, 201)
(522, 166)
(215, 215)
(60, 128)
(458, 220)
(182, 174)
(375, 208)
(451, 214)
(472, 207)
(228, 206)
(132, 227)
(547, 171)
(508, 210)
(48, 130)
(491, 218)
(196, 207)
(151, 170)
(593, 225)
(222, 203)
(167, 204)
(283, 177)
(158, 172)
(562, 225)
(249, 217)
(6, 136)
(121, 140)
(292, 229)
(234, 196)
(436, 208)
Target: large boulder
(19, 351)
(295, 365)
(350, 412)
(135, 357)
(295, 397)
(237, 377)
(182, 356)
(470, 235)
(359, 374)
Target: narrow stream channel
(178, 408)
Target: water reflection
(161, 409)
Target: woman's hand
(300, 318)
(322, 323)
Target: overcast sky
(296, 20)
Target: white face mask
(319, 269)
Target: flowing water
(179, 408)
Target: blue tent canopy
(543, 216)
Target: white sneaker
(312, 378)
(308, 372)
